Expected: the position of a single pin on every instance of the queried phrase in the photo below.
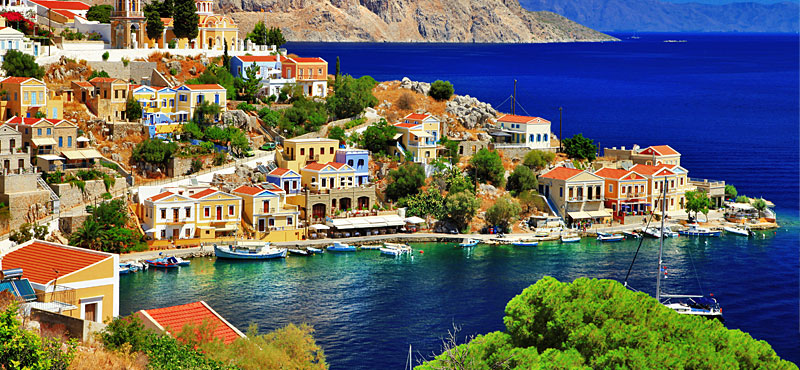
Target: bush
(503, 212)
(730, 191)
(521, 179)
(173, 71)
(23, 349)
(125, 61)
(351, 96)
(579, 147)
(378, 137)
(171, 44)
(155, 152)
(405, 181)
(94, 36)
(538, 159)
(406, 101)
(19, 64)
(488, 167)
(197, 165)
(100, 13)
(246, 107)
(100, 73)
(105, 58)
(441, 90)
(270, 117)
(742, 199)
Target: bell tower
(127, 24)
(204, 7)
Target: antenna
(560, 128)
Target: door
(175, 215)
(219, 213)
(90, 312)
(176, 234)
(286, 187)
(261, 225)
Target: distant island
(662, 16)
(479, 21)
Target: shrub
(173, 71)
(579, 147)
(246, 107)
(125, 61)
(105, 57)
(742, 199)
(19, 64)
(521, 179)
(488, 167)
(441, 90)
(406, 101)
(404, 181)
(538, 159)
(503, 212)
(172, 44)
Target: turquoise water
(367, 308)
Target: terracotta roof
(561, 173)
(316, 166)
(521, 119)
(66, 13)
(417, 116)
(249, 190)
(205, 87)
(103, 79)
(15, 80)
(158, 197)
(176, 317)
(611, 173)
(257, 58)
(203, 193)
(407, 125)
(337, 165)
(24, 121)
(648, 170)
(38, 260)
(662, 150)
(279, 171)
(83, 83)
(70, 5)
(308, 60)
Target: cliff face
(409, 21)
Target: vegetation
(154, 26)
(405, 181)
(104, 230)
(205, 112)
(599, 324)
(378, 137)
(19, 64)
(100, 13)
(154, 152)
(245, 106)
(503, 212)
(72, 35)
(406, 101)
(351, 96)
(290, 347)
(697, 201)
(425, 203)
(232, 136)
(133, 110)
(488, 167)
(304, 116)
(185, 19)
(261, 35)
(27, 232)
(521, 179)
(23, 349)
(538, 159)
(461, 207)
(214, 74)
(579, 147)
(760, 204)
(730, 191)
(247, 87)
(100, 73)
(337, 133)
(441, 90)
(742, 199)
(105, 58)
(165, 8)
(452, 150)
(270, 117)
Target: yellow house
(166, 97)
(190, 96)
(419, 134)
(213, 30)
(46, 136)
(109, 98)
(169, 216)
(660, 176)
(218, 213)
(76, 282)
(297, 153)
(26, 96)
(266, 211)
(326, 176)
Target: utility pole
(514, 100)
(560, 128)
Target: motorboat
(468, 243)
(182, 262)
(696, 230)
(570, 238)
(606, 237)
(395, 249)
(371, 247)
(743, 231)
(632, 234)
(525, 243)
(246, 251)
(341, 247)
(124, 269)
(315, 250)
(541, 233)
(298, 252)
(167, 262)
(656, 232)
(391, 252)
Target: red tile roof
(316, 166)
(83, 83)
(17, 120)
(663, 150)
(521, 119)
(407, 125)
(205, 87)
(417, 116)
(176, 317)
(70, 5)
(308, 60)
(66, 13)
(103, 79)
(336, 165)
(15, 80)
(648, 170)
(158, 197)
(249, 190)
(279, 171)
(561, 173)
(203, 193)
(611, 173)
(38, 260)
(257, 58)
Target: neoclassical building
(128, 28)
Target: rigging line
(625, 283)
(504, 101)
(520, 105)
(696, 275)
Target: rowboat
(168, 262)
(298, 252)
(570, 238)
(632, 234)
(249, 252)
(395, 249)
(525, 243)
(315, 250)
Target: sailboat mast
(661, 241)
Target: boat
(743, 231)
(298, 252)
(182, 262)
(395, 249)
(371, 247)
(124, 269)
(696, 230)
(570, 238)
(632, 234)
(605, 237)
(541, 234)
(468, 243)
(315, 250)
(656, 233)
(168, 262)
(391, 252)
(341, 247)
(243, 251)
(525, 243)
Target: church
(128, 28)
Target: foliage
(133, 109)
(528, 201)
(742, 199)
(338, 68)
(185, 19)
(196, 165)
(125, 61)
(503, 212)
(579, 147)
(220, 158)
(351, 96)
(72, 35)
(18, 22)
(27, 232)
(155, 152)
(730, 191)
(488, 167)
(425, 203)
(353, 123)
(760, 204)
(226, 59)
(461, 207)
(125, 330)
(23, 349)
(406, 101)
(205, 112)
(105, 58)
(521, 179)
(171, 44)
(19, 64)
(192, 131)
(452, 150)
(270, 117)
(214, 74)
(378, 137)
(104, 229)
(337, 133)
(173, 71)
(599, 324)
(538, 159)
(261, 35)
(304, 116)
(94, 36)
(696, 201)
(244, 106)
(247, 87)
(154, 26)
(39, 114)
(406, 180)
(441, 90)
(101, 73)
(165, 8)
(100, 13)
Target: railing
(707, 181)
(127, 14)
(634, 195)
(66, 296)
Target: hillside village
(226, 136)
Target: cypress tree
(338, 70)
(185, 19)
(226, 59)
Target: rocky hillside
(409, 21)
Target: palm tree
(89, 235)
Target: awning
(741, 206)
(50, 157)
(596, 214)
(377, 221)
(83, 139)
(341, 224)
(421, 134)
(360, 222)
(319, 227)
(394, 220)
(397, 136)
(415, 220)
(579, 215)
(90, 153)
(498, 133)
(73, 154)
(152, 230)
(42, 141)
(227, 228)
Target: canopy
(579, 215)
(741, 206)
(228, 228)
(377, 222)
(421, 134)
(360, 222)
(598, 214)
(415, 220)
(393, 220)
(72, 154)
(83, 139)
(42, 141)
(90, 153)
(341, 224)
(319, 227)
(397, 136)
(50, 157)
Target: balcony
(585, 199)
(633, 195)
(127, 14)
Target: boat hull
(342, 249)
(221, 253)
(611, 239)
(571, 240)
(700, 233)
(736, 231)
(525, 244)
(159, 264)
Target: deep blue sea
(727, 102)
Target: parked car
(268, 146)
(249, 153)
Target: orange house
(310, 73)
(626, 192)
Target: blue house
(359, 160)
(269, 66)
(285, 179)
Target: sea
(727, 102)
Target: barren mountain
(409, 21)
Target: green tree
(503, 212)
(742, 199)
(192, 131)
(452, 149)
(351, 96)
(270, 117)
(579, 147)
(100, 73)
(488, 167)
(730, 191)
(521, 179)
(100, 13)
(337, 133)
(238, 140)
(25, 349)
(154, 152)
(538, 159)
(133, 109)
(441, 90)
(247, 87)
(378, 137)
(261, 35)
(27, 232)
(104, 229)
(275, 37)
(697, 201)
(165, 9)
(185, 19)
(406, 180)
(461, 207)
(424, 204)
(205, 113)
(214, 74)
(226, 59)
(760, 204)
(338, 70)
(154, 26)
(19, 64)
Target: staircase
(53, 197)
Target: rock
(116, 157)
(239, 119)
(469, 111)
(420, 87)
(193, 70)
(487, 189)
(176, 65)
(482, 136)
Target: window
(324, 182)
(182, 97)
(350, 162)
(302, 151)
(188, 233)
(322, 150)
(611, 188)
(672, 184)
(289, 220)
(561, 192)
(55, 113)
(26, 97)
(116, 94)
(271, 222)
(39, 131)
(206, 211)
(360, 163)
(199, 99)
(266, 206)
(294, 184)
(538, 137)
(531, 137)
(163, 233)
(172, 103)
(544, 137)
(49, 132)
(164, 213)
(60, 141)
(230, 210)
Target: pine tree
(185, 19)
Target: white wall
(84, 26)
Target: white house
(11, 39)
(531, 132)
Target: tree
(133, 109)
(441, 90)
(185, 19)
(760, 204)
(424, 204)
(275, 37)
(742, 199)
(226, 59)
(730, 191)
(100, 13)
(205, 112)
(405, 181)
(27, 232)
(192, 131)
(527, 201)
(338, 70)
(238, 140)
(378, 137)
(261, 35)
(104, 229)
(590, 324)
(214, 74)
(503, 212)
(154, 26)
(155, 152)
(487, 166)
(521, 179)
(165, 9)
(247, 87)
(95, 73)
(538, 159)
(452, 149)
(351, 96)
(337, 133)
(26, 349)
(696, 201)
(19, 64)
(461, 207)
(270, 117)
(579, 147)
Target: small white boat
(743, 231)
(604, 237)
(391, 252)
(570, 238)
(541, 234)
(315, 250)
(341, 247)
(371, 247)
(249, 251)
(395, 249)
(696, 230)
(632, 234)
(525, 243)
(468, 243)
(298, 252)
(182, 262)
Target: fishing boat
(468, 243)
(525, 243)
(632, 234)
(249, 251)
(605, 237)
(168, 262)
(696, 230)
(298, 252)
(743, 231)
(570, 238)
(124, 269)
(341, 247)
(315, 250)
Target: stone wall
(69, 223)
(71, 196)
(26, 201)
(178, 166)
(135, 69)
(121, 130)
(470, 147)
(514, 153)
